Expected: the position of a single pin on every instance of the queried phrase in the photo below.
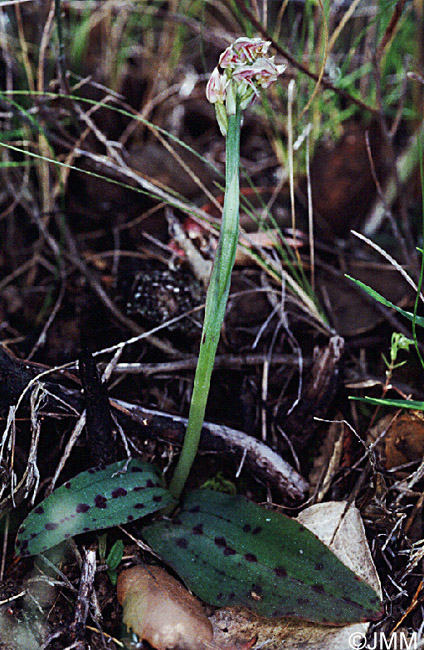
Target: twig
(4, 549)
(402, 170)
(234, 361)
(390, 259)
(42, 336)
(84, 596)
(262, 463)
(30, 476)
(310, 209)
(390, 29)
(398, 183)
(397, 234)
(76, 432)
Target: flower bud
(215, 89)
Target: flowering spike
(247, 69)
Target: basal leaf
(97, 498)
(230, 551)
(419, 320)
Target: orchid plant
(227, 550)
(247, 69)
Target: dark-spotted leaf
(97, 498)
(230, 551)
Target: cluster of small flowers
(246, 70)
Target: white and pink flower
(243, 50)
(262, 72)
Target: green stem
(216, 302)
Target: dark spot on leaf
(303, 601)
(231, 595)
(149, 483)
(130, 518)
(157, 498)
(136, 469)
(33, 535)
(50, 526)
(21, 530)
(319, 566)
(229, 551)
(39, 510)
(195, 509)
(139, 506)
(256, 530)
(250, 557)
(198, 529)
(319, 589)
(82, 507)
(119, 492)
(280, 572)
(68, 485)
(67, 535)
(247, 528)
(219, 596)
(220, 541)
(91, 470)
(85, 529)
(100, 501)
(182, 542)
(138, 488)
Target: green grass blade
(379, 298)
(397, 403)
